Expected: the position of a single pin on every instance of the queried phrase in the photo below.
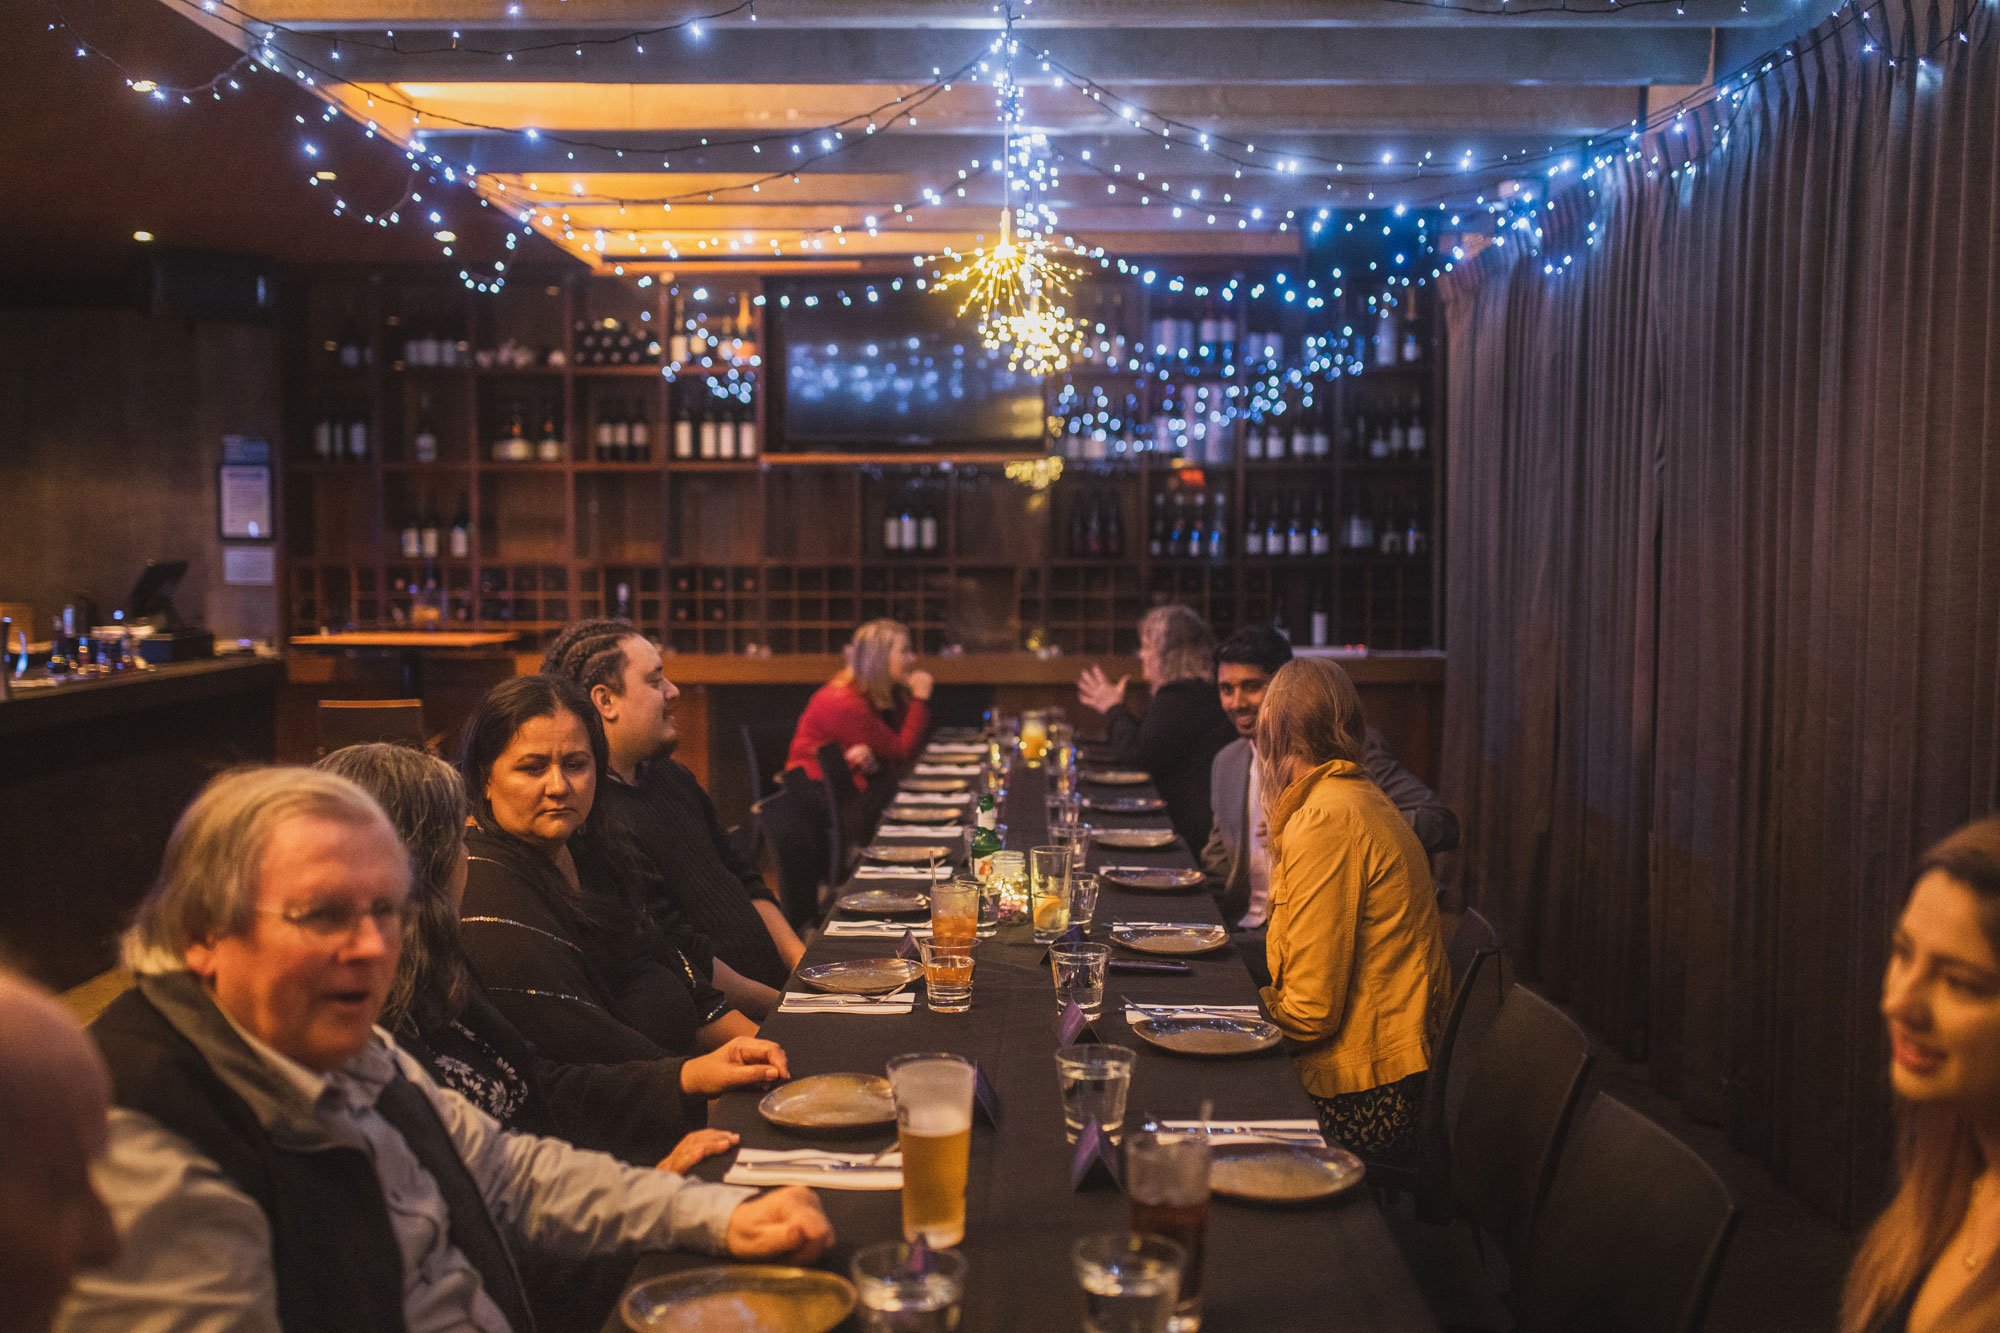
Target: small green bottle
(985, 838)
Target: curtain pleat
(1724, 596)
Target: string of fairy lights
(1713, 109)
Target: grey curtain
(1724, 589)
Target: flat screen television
(903, 370)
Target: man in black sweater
(701, 877)
(1184, 725)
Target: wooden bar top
(446, 638)
(34, 707)
(989, 668)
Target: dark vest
(333, 1249)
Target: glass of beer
(1128, 1280)
(1166, 1176)
(947, 976)
(908, 1289)
(1034, 739)
(933, 1094)
(955, 912)
(1048, 890)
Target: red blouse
(839, 714)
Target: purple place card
(1094, 1161)
(1073, 1025)
(985, 1098)
(908, 948)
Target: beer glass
(947, 976)
(1048, 890)
(933, 1094)
(1034, 739)
(1166, 1175)
(904, 1289)
(1128, 1281)
(955, 912)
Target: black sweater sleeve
(540, 978)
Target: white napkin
(947, 770)
(955, 748)
(920, 831)
(1253, 1131)
(872, 871)
(1155, 925)
(931, 798)
(797, 1003)
(763, 1166)
(876, 930)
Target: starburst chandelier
(1018, 285)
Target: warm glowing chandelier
(1018, 285)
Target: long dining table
(1329, 1266)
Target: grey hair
(1186, 646)
(207, 886)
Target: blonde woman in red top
(858, 708)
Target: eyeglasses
(335, 920)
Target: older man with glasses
(275, 1162)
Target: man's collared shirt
(1260, 855)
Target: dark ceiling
(89, 162)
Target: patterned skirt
(1378, 1124)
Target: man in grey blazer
(1234, 857)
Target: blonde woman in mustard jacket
(1359, 981)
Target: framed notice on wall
(243, 490)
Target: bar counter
(94, 774)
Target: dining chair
(1427, 1178)
(1473, 936)
(344, 722)
(837, 780)
(792, 829)
(1632, 1234)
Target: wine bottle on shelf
(1385, 336)
(600, 434)
(892, 532)
(705, 431)
(1194, 546)
(428, 535)
(906, 525)
(1253, 531)
(1225, 333)
(621, 607)
(1177, 534)
(1318, 632)
(683, 424)
(1413, 433)
(351, 343)
(621, 434)
(1301, 436)
(1297, 539)
(1218, 530)
(1253, 439)
(1320, 438)
(747, 443)
(1411, 350)
(927, 525)
(1415, 540)
(1398, 440)
(357, 433)
(1208, 341)
(1318, 540)
(1389, 541)
(1274, 532)
(640, 448)
(461, 528)
(550, 447)
(413, 540)
(1360, 529)
(325, 431)
(725, 429)
(1156, 535)
(424, 444)
(1378, 438)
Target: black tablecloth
(1328, 1267)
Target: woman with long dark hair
(644, 1111)
(551, 921)
(1358, 976)
(1931, 1262)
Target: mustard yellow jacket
(1359, 980)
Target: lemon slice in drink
(1051, 914)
